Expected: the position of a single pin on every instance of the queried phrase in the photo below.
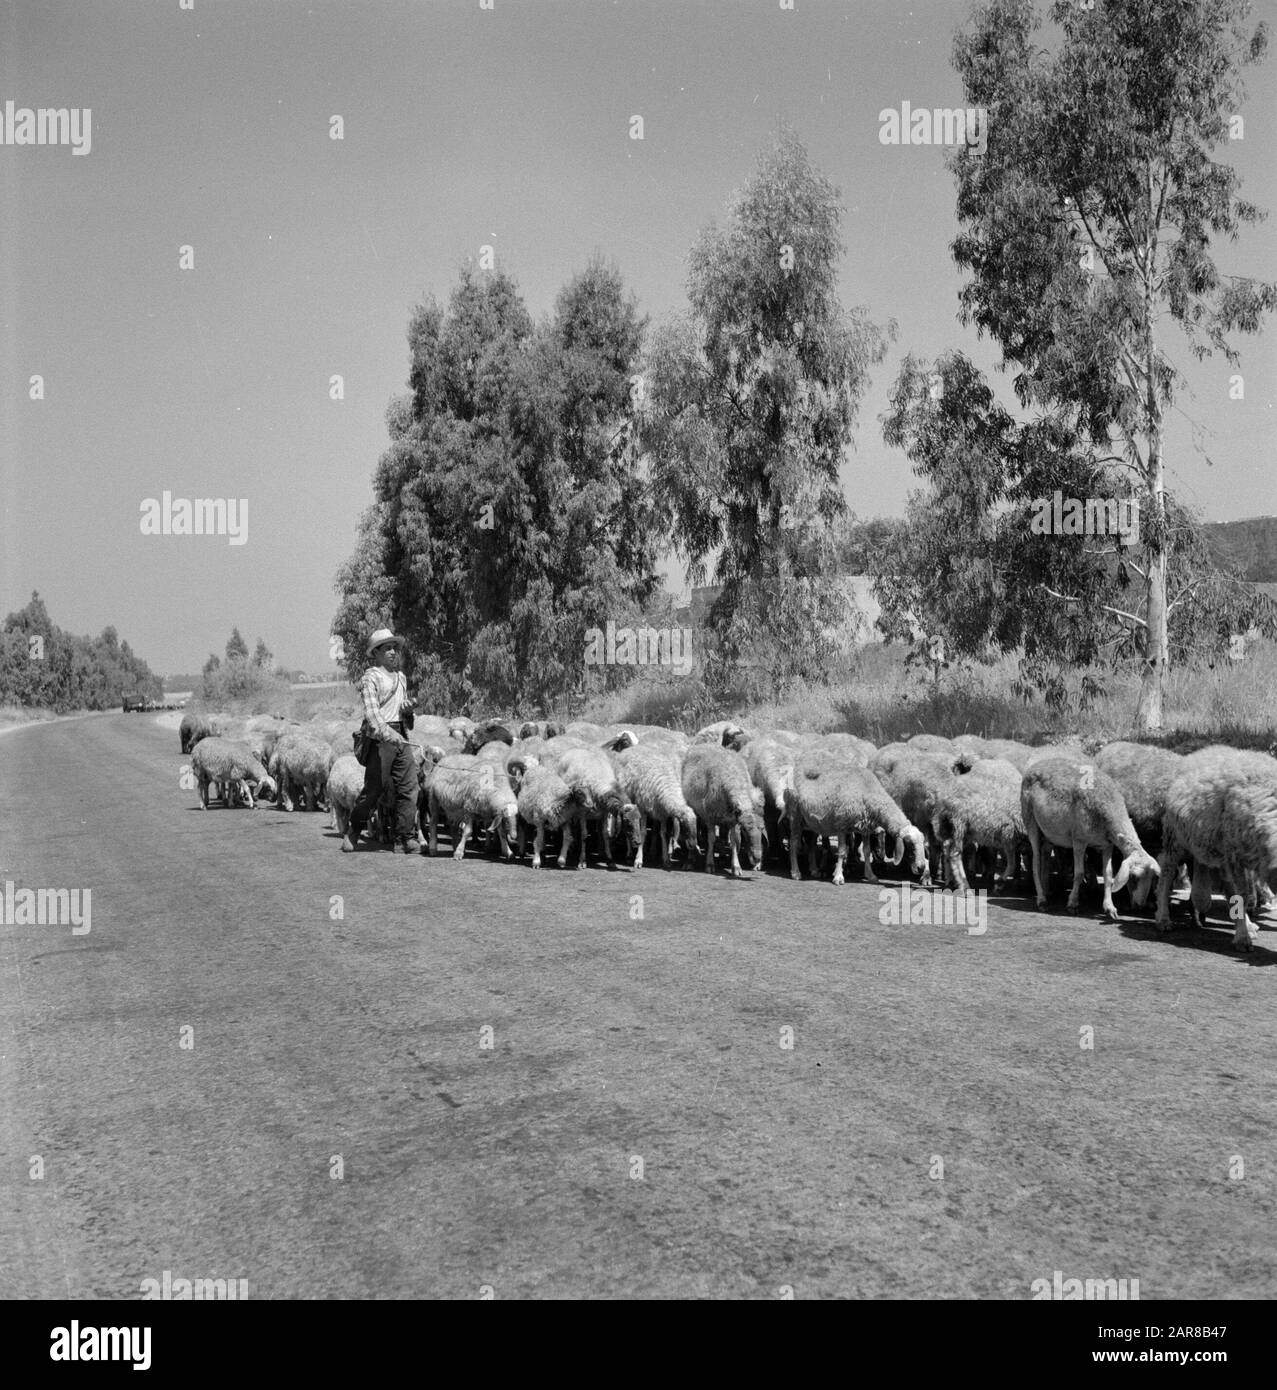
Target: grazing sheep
(545, 802)
(917, 780)
(582, 729)
(1221, 810)
(649, 777)
(460, 729)
(464, 789)
(228, 764)
(715, 732)
(858, 750)
(770, 762)
(981, 809)
(835, 796)
(1144, 775)
(300, 761)
(716, 785)
(592, 775)
(1069, 803)
(345, 782)
(195, 726)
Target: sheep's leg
(248, 794)
(204, 793)
(467, 824)
(1079, 874)
(538, 845)
(866, 851)
(605, 834)
(520, 841)
(638, 853)
(711, 829)
(733, 839)
(1247, 933)
(1035, 850)
(565, 843)
(434, 826)
(843, 837)
(795, 835)
(1168, 863)
(813, 856)
(1109, 910)
(584, 832)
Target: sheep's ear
(900, 850)
(1123, 873)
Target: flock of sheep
(950, 805)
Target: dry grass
(881, 699)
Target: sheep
(916, 780)
(230, 765)
(593, 777)
(195, 726)
(463, 788)
(649, 777)
(770, 763)
(299, 759)
(1070, 803)
(345, 782)
(1010, 750)
(835, 796)
(1221, 809)
(592, 733)
(1144, 774)
(716, 785)
(714, 733)
(460, 729)
(492, 731)
(981, 808)
(545, 802)
(858, 750)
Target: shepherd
(382, 745)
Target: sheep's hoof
(458, 853)
(1163, 924)
(1199, 918)
(796, 875)
(1041, 904)
(1111, 914)
(838, 880)
(536, 863)
(1072, 908)
(1243, 945)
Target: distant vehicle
(133, 703)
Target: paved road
(636, 1127)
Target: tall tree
(262, 655)
(752, 400)
(509, 514)
(1088, 221)
(236, 647)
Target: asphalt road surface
(337, 1126)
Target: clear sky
(463, 126)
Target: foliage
(509, 513)
(1088, 221)
(71, 672)
(750, 403)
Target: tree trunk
(1148, 715)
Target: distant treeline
(40, 665)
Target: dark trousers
(391, 765)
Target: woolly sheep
(716, 785)
(649, 778)
(464, 789)
(916, 779)
(345, 783)
(195, 726)
(981, 809)
(299, 760)
(592, 776)
(834, 796)
(1070, 803)
(545, 802)
(1144, 774)
(931, 743)
(228, 764)
(1221, 809)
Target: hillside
(1251, 545)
